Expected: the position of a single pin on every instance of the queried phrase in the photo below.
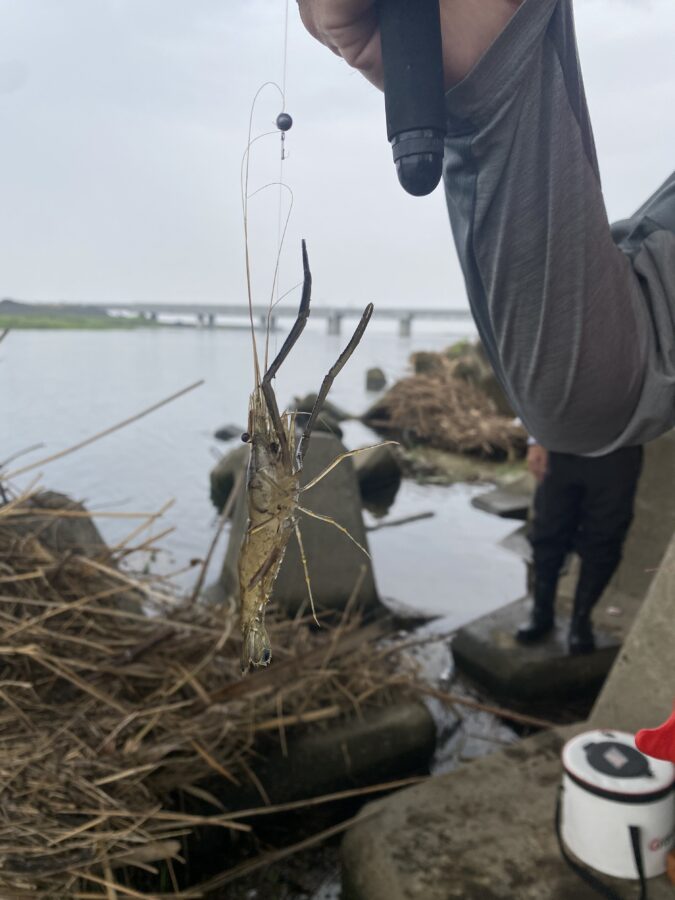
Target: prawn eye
(246, 437)
(274, 447)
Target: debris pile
(446, 404)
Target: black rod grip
(412, 55)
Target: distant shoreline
(66, 322)
(61, 323)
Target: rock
(67, 535)
(489, 384)
(227, 432)
(306, 404)
(384, 743)
(487, 651)
(483, 832)
(376, 380)
(462, 349)
(511, 500)
(59, 534)
(223, 475)
(425, 363)
(333, 560)
(377, 469)
(473, 366)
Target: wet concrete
(488, 652)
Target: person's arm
(579, 332)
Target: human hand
(349, 28)
(537, 461)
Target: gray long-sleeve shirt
(578, 319)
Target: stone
(224, 473)
(384, 743)
(511, 500)
(228, 432)
(68, 534)
(306, 404)
(483, 832)
(487, 651)
(376, 380)
(334, 562)
(377, 469)
(426, 363)
(474, 366)
(59, 534)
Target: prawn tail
(256, 649)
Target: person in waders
(582, 503)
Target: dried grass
(444, 409)
(116, 694)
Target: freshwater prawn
(277, 451)
(273, 485)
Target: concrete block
(377, 468)
(483, 832)
(59, 534)
(224, 473)
(640, 690)
(334, 562)
(487, 651)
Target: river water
(59, 387)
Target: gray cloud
(124, 123)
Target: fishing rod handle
(412, 55)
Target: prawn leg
(306, 571)
(329, 521)
(339, 459)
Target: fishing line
(284, 122)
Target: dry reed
(117, 694)
(442, 408)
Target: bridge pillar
(211, 320)
(334, 323)
(200, 320)
(405, 326)
(273, 323)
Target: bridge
(205, 314)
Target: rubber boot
(592, 583)
(542, 617)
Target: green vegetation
(81, 322)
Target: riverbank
(59, 322)
(15, 315)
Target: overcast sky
(124, 123)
